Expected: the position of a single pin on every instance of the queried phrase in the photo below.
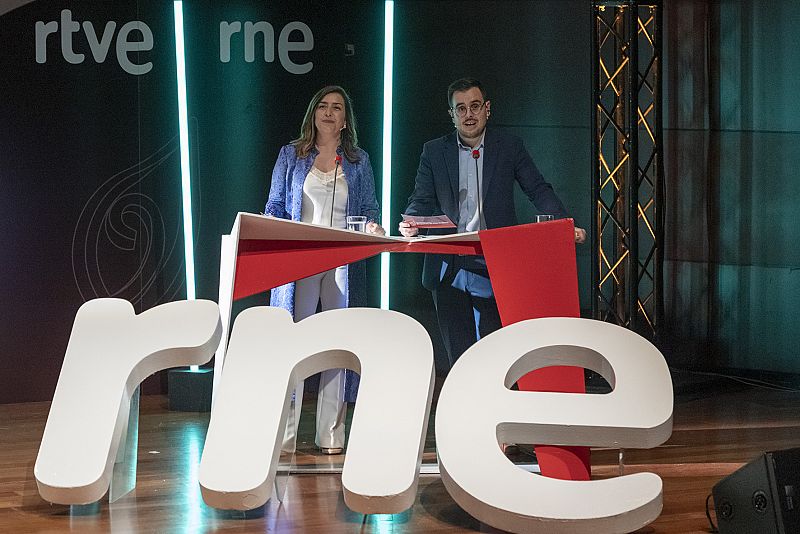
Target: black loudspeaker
(762, 496)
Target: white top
(317, 193)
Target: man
(451, 171)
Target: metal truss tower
(627, 165)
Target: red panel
(262, 264)
(259, 268)
(534, 274)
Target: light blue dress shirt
(470, 183)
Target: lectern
(532, 267)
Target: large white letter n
(269, 354)
(110, 351)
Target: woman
(322, 177)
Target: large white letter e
(477, 411)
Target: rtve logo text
(135, 37)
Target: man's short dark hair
(463, 84)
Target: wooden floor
(718, 427)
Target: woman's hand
(375, 228)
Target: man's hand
(580, 235)
(375, 228)
(408, 229)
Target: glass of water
(357, 223)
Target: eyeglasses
(461, 109)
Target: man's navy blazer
(505, 161)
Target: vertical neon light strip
(183, 120)
(186, 177)
(386, 199)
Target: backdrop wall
(90, 176)
(732, 145)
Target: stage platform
(718, 428)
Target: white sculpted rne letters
(111, 350)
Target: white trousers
(327, 288)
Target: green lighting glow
(183, 121)
(186, 178)
(191, 442)
(386, 199)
